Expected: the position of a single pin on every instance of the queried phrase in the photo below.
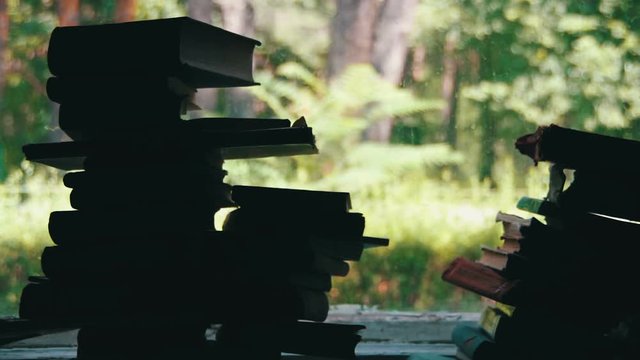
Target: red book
(482, 280)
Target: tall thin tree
(450, 84)
(374, 32)
(4, 40)
(351, 35)
(389, 52)
(125, 10)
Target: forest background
(415, 105)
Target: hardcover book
(483, 281)
(199, 54)
(71, 155)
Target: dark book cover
(207, 300)
(339, 225)
(300, 337)
(483, 281)
(130, 90)
(261, 198)
(602, 193)
(575, 149)
(178, 145)
(91, 228)
(197, 53)
(473, 342)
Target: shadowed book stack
(138, 265)
(563, 283)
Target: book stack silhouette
(562, 285)
(138, 265)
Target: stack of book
(560, 286)
(138, 265)
(304, 238)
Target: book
(114, 198)
(509, 244)
(199, 54)
(127, 263)
(168, 339)
(71, 155)
(330, 340)
(81, 122)
(490, 318)
(91, 302)
(511, 265)
(493, 258)
(575, 149)
(205, 180)
(471, 341)
(484, 281)
(85, 121)
(91, 228)
(144, 92)
(511, 224)
(538, 206)
(528, 325)
(298, 240)
(580, 254)
(278, 257)
(262, 198)
(117, 264)
(339, 225)
(606, 193)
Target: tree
(450, 85)
(68, 12)
(376, 33)
(389, 52)
(125, 10)
(352, 31)
(4, 39)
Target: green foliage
(24, 109)
(25, 204)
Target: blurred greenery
(522, 63)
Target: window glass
(415, 105)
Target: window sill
(388, 335)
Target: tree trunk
(352, 32)
(125, 10)
(68, 12)
(418, 63)
(206, 99)
(238, 17)
(389, 52)
(4, 41)
(391, 36)
(450, 87)
(487, 120)
(201, 10)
